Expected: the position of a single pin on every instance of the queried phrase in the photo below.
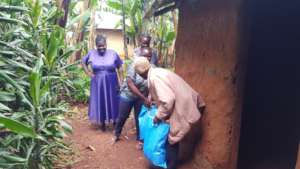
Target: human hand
(91, 75)
(121, 82)
(147, 102)
(201, 109)
(156, 120)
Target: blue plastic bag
(154, 136)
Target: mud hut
(229, 52)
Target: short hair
(144, 34)
(100, 39)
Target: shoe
(114, 124)
(103, 127)
(115, 139)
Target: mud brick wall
(210, 55)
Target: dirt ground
(94, 149)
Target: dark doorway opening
(271, 112)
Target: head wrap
(141, 65)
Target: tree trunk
(92, 34)
(175, 21)
(80, 37)
(59, 3)
(124, 31)
(64, 5)
(160, 42)
(134, 41)
(210, 55)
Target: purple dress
(104, 100)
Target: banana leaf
(116, 5)
(84, 16)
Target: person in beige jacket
(177, 103)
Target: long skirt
(104, 97)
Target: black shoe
(114, 140)
(103, 127)
(114, 124)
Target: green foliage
(9, 8)
(164, 35)
(33, 79)
(85, 15)
(161, 28)
(133, 12)
(94, 3)
(81, 83)
(116, 5)
(17, 127)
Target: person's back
(185, 110)
(176, 101)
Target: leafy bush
(33, 79)
(81, 84)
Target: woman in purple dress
(103, 102)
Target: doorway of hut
(271, 112)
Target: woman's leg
(125, 107)
(172, 155)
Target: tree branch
(165, 10)
(155, 6)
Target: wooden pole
(124, 31)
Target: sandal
(114, 140)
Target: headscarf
(141, 65)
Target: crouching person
(178, 104)
(133, 94)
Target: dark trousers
(125, 107)
(172, 155)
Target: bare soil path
(94, 150)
